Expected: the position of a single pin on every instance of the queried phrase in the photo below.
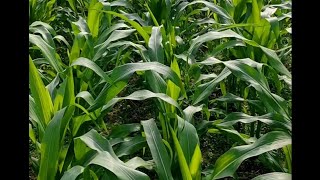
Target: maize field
(160, 89)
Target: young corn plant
(172, 46)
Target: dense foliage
(219, 67)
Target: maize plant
(206, 71)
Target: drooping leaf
(142, 95)
(259, 82)
(48, 52)
(275, 120)
(213, 35)
(189, 112)
(213, 7)
(93, 66)
(97, 142)
(274, 176)
(228, 163)
(136, 162)
(72, 173)
(123, 172)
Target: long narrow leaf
(40, 95)
(158, 150)
(228, 163)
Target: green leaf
(45, 25)
(156, 82)
(50, 146)
(172, 89)
(189, 111)
(59, 97)
(229, 97)
(195, 164)
(228, 44)
(124, 130)
(204, 90)
(155, 45)
(136, 162)
(272, 101)
(44, 32)
(81, 151)
(275, 120)
(127, 43)
(93, 66)
(233, 134)
(97, 142)
(188, 138)
(213, 7)
(94, 17)
(119, 168)
(72, 4)
(134, 24)
(81, 26)
(43, 103)
(213, 35)
(131, 146)
(288, 154)
(31, 134)
(210, 36)
(206, 77)
(86, 96)
(33, 114)
(119, 3)
(61, 38)
(142, 95)
(116, 35)
(65, 93)
(158, 150)
(72, 173)
(184, 168)
(274, 176)
(52, 87)
(124, 71)
(48, 52)
(103, 36)
(228, 163)
(69, 96)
